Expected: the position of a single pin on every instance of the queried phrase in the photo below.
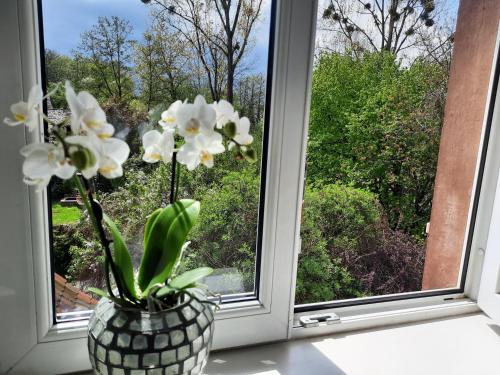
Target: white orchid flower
(86, 114)
(27, 112)
(242, 132)
(114, 153)
(44, 160)
(224, 113)
(200, 150)
(158, 146)
(169, 117)
(109, 154)
(196, 118)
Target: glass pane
(137, 59)
(373, 176)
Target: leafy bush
(225, 236)
(349, 250)
(376, 125)
(76, 257)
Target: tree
(251, 95)
(378, 25)
(108, 46)
(220, 33)
(379, 129)
(146, 69)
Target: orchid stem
(172, 178)
(87, 197)
(177, 178)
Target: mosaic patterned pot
(133, 342)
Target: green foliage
(376, 126)
(65, 214)
(185, 280)
(164, 241)
(334, 217)
(225, 236)
(64, 237)
(122, 259)
(349, 251)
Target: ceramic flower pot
(133, 342)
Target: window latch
(310, 321)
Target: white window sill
(460, 345)
(466, 344)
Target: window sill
(467, 344)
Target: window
(137, 59)
(40, 345)
(388, 175)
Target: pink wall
(468, 85)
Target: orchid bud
(82, 158)
(230, 129)
(250, 155)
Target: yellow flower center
(104, 135)
(51, 156)
(107, 169)
(154, 156)
(206, 156)
(93, 124)
(169, 119)
(193, 127)
(20, 117)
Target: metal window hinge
(319, 319)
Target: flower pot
(134, 342)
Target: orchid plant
(189, 134)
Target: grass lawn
(65, 215)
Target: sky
(65, 20)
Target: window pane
(137, 59)
(379, 119)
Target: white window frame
(35, 345)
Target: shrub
(376, 125)
(225, 235)
(349, 250)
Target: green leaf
(166, 290)
(190, 277)
(165, 237)
(121, 258)
(149, 224)
(102, 293)
(99, 292)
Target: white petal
(184, 113)
(244, 139)
(89, 141)
(28, 149)
(37, 165)
(116, 149)
(110, 168)
(20, 108)
(32, 122)
(152, 154)
(90, 172)
(35, 96)
(200, 100)
(11, 122)
(87, 100)
(243, 125)
(150, 138)
(189, 155)
(75, 107)
(65, 171)
(106, 131)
